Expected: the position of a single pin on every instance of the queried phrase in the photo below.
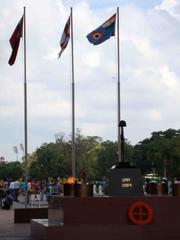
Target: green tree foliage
(95, 157)
(52, 159)
(160, 151)
(87, 149)
(107, 157)
(11, 170)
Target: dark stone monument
(124, 179)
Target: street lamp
(22, 149)
(2, 159)
(16, 152)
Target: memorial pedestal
(125, 180)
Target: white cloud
(168, 5)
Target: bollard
(162, 188)
(68, 189)
(153, 188)
(159, 188)
(83, 190)
(176, 189)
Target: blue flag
(103, 32)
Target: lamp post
(2, 159)
(16, 152)
(22, 149)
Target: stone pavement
(9, 230)
(14, 231)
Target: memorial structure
(124, 179)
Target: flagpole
(118, 90)
(73, 98)
(25, 113)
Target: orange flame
(71, 180)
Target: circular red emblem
(96, 35)
(140, 213)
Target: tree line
(160, 153)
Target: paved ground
(11, 231)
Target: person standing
(12, 190)
(41, 189)
(16, 190)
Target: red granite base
(106, 218)
(112, 232)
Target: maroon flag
(15, 40)
(65, 37)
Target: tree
(107, 157)
(87, 149)
(11, 170)
(52, 159)
(161, 150)
(96, 157)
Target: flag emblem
(96, 35)
(103, 32)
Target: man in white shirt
(14, 189)
(11, 188)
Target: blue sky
(150, 75)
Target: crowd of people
(41, 187)
(54, 186)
